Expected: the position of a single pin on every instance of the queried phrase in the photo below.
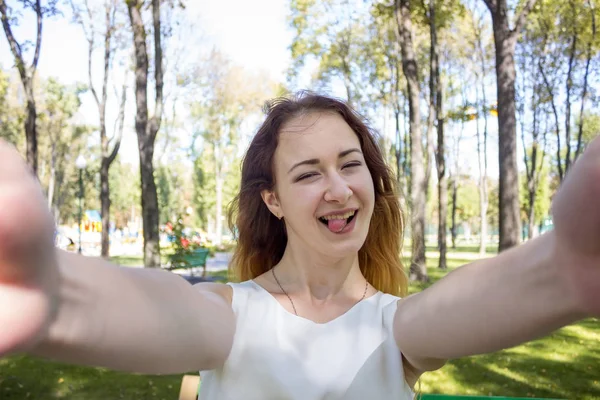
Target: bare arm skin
(87, 311)
(486, 306)
(520, 295)
(137, 320)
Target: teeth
(341, 216)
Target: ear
(272, 202)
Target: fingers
(26, 225)
(12, 166)
(575, 208)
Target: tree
(461, 116)
(436, 113)
(228, 96)
(57, 107)
(483, 109)
(27, 73)
(418, 268)
(10, 114)
(383, 53)
(146, 128)
(563, 35)
(535, 200)
(505, 40)
(584, 95)
(87, 18)
(333, 32)
(532, 105)
(125, 197)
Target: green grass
(135, 261)
(24, 377)
(564, 365)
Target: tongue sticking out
(336, 225)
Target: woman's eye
(305, 176)
(352, 164)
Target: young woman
(318, 314)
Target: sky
(254, 34)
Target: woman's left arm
(520, 295)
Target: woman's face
(323, 189)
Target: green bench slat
(455, 397)
(195, 259)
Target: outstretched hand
(28, 264)
(576, 213)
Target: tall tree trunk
(107, 155)
(398, 147)
(482, 144)
(418, 268)
(399, 137)
(569, 87)
(436, 111)
(219, 207)
(218, 160)
(505, 41)
(406, 155)
(31, 128)
(453, 231)
(585, 80)
(52, 180)
(510, 223)
(106, 159)
(104, 207)
(431, 115)
(550, 90)
(27, 75)
(483, 201)
(146, 128)
(105, 163)
(533, 167)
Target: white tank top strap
(241, 292)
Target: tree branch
(522, 17)
(107, 57)
(585, 80)
(15, 47)
(121, 119)
(158, 70)
(90, 37)
(491, 4)
(38, 39)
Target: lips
(339, 222)
(339, 214)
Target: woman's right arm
(87, 311)
(139, 320)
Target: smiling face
(323, 189)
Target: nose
(338, 190)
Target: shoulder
(219, 291)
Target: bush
(182, 245)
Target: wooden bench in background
(190, 385)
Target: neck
(319, 278)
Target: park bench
(195, 259)
(190, 387)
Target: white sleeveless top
(277, 355)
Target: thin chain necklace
(294, 307)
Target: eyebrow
(314, 161)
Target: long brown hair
(262, 237)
